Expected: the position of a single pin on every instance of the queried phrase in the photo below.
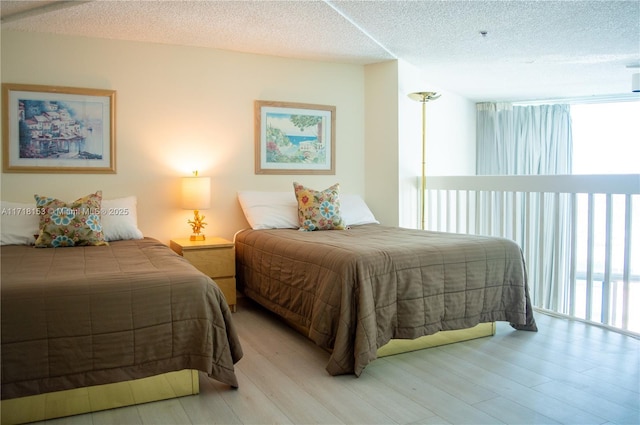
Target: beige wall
(183, 108)
(180, 109)
(381, 148)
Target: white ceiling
(532, 49)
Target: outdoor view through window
(606, 140)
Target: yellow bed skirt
(397, 346)
(100, 397)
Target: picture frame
(294, 138)
(53, 129)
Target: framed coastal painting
(294, 138)
(50, 129)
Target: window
(606, 138)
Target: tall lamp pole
(423, 97)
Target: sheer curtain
(519, 140)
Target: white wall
(394, 139)
(180, 109)
(450, 134)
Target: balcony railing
(579, 234)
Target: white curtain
(518, 140)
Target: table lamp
(196, 196)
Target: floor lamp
(423, 97)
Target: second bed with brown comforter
(353, 290)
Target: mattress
(352, 291)
(83, 316)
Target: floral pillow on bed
(76, 223)
(318, 210)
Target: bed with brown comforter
(83, 316)
(351, 291)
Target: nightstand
(214, 257)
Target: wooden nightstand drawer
(214, 257)
(213, 262)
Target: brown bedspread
(353, 290)
(75, 317)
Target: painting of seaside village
(54, 129)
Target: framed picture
(294, 138)
(48, 129)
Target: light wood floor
(569, 372)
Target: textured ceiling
(531, 50)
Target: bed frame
(100, 397)
(398, 346)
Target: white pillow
(19, 223)
(354, 211)
(120, 219)
(279, 210)
(270, 210)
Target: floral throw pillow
(318, 210)
(76, 223)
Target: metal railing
(579, 234)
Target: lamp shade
(196, 193)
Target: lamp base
(197, 238)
